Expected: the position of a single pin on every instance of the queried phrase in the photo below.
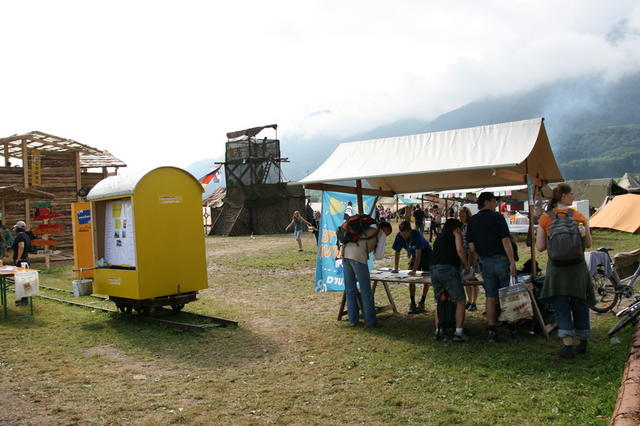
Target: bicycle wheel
(606, 295)
(631, 318)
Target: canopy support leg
(531, 199)
(359, 194)
(397, 209)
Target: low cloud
(167, 85)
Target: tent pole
(359, 194)
(531, 199)
(25, 174)
(397, 209)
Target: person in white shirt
(356, 271)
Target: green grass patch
(290, 361)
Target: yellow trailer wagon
(148, 238)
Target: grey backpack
(564, 243)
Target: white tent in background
(485, 156)
(629, 182)
(515, 192)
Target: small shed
(59, 166)
(147, 231)
(212, 206)
(630, 183)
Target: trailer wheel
(144, 310)
(125, 309)
(177, 307)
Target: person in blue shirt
(419, 252)
(297, 222)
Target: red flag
(211, 176)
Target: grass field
(290, 361)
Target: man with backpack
(360, 236)
(488, 236)
(419, 252)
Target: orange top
(545, 219)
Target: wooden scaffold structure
(62, 168)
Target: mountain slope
(581, 114)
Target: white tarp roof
(122, 185)
(115, 186)
(472, 157)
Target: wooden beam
(6, 155)
(78, 176)
(12, 138)
(347, 189)
(517, 177)
(25, 172)
(65, 143)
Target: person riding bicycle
(567, 285)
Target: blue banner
(329, 273)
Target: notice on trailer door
(120, 247)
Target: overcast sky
(160, 83)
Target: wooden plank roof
(19, 193)
(44, 142)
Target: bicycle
(610, 289)
(628, 315)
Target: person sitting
(419, 252)
(448, 255)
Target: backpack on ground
(564, 242)
(354, 228)
(446, 310)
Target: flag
(211, 176)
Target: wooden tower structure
(257, 201)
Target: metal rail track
(218, 322)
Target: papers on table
(386, 274)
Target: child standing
(297, 221)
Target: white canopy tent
(485, 156)
(477, 157)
